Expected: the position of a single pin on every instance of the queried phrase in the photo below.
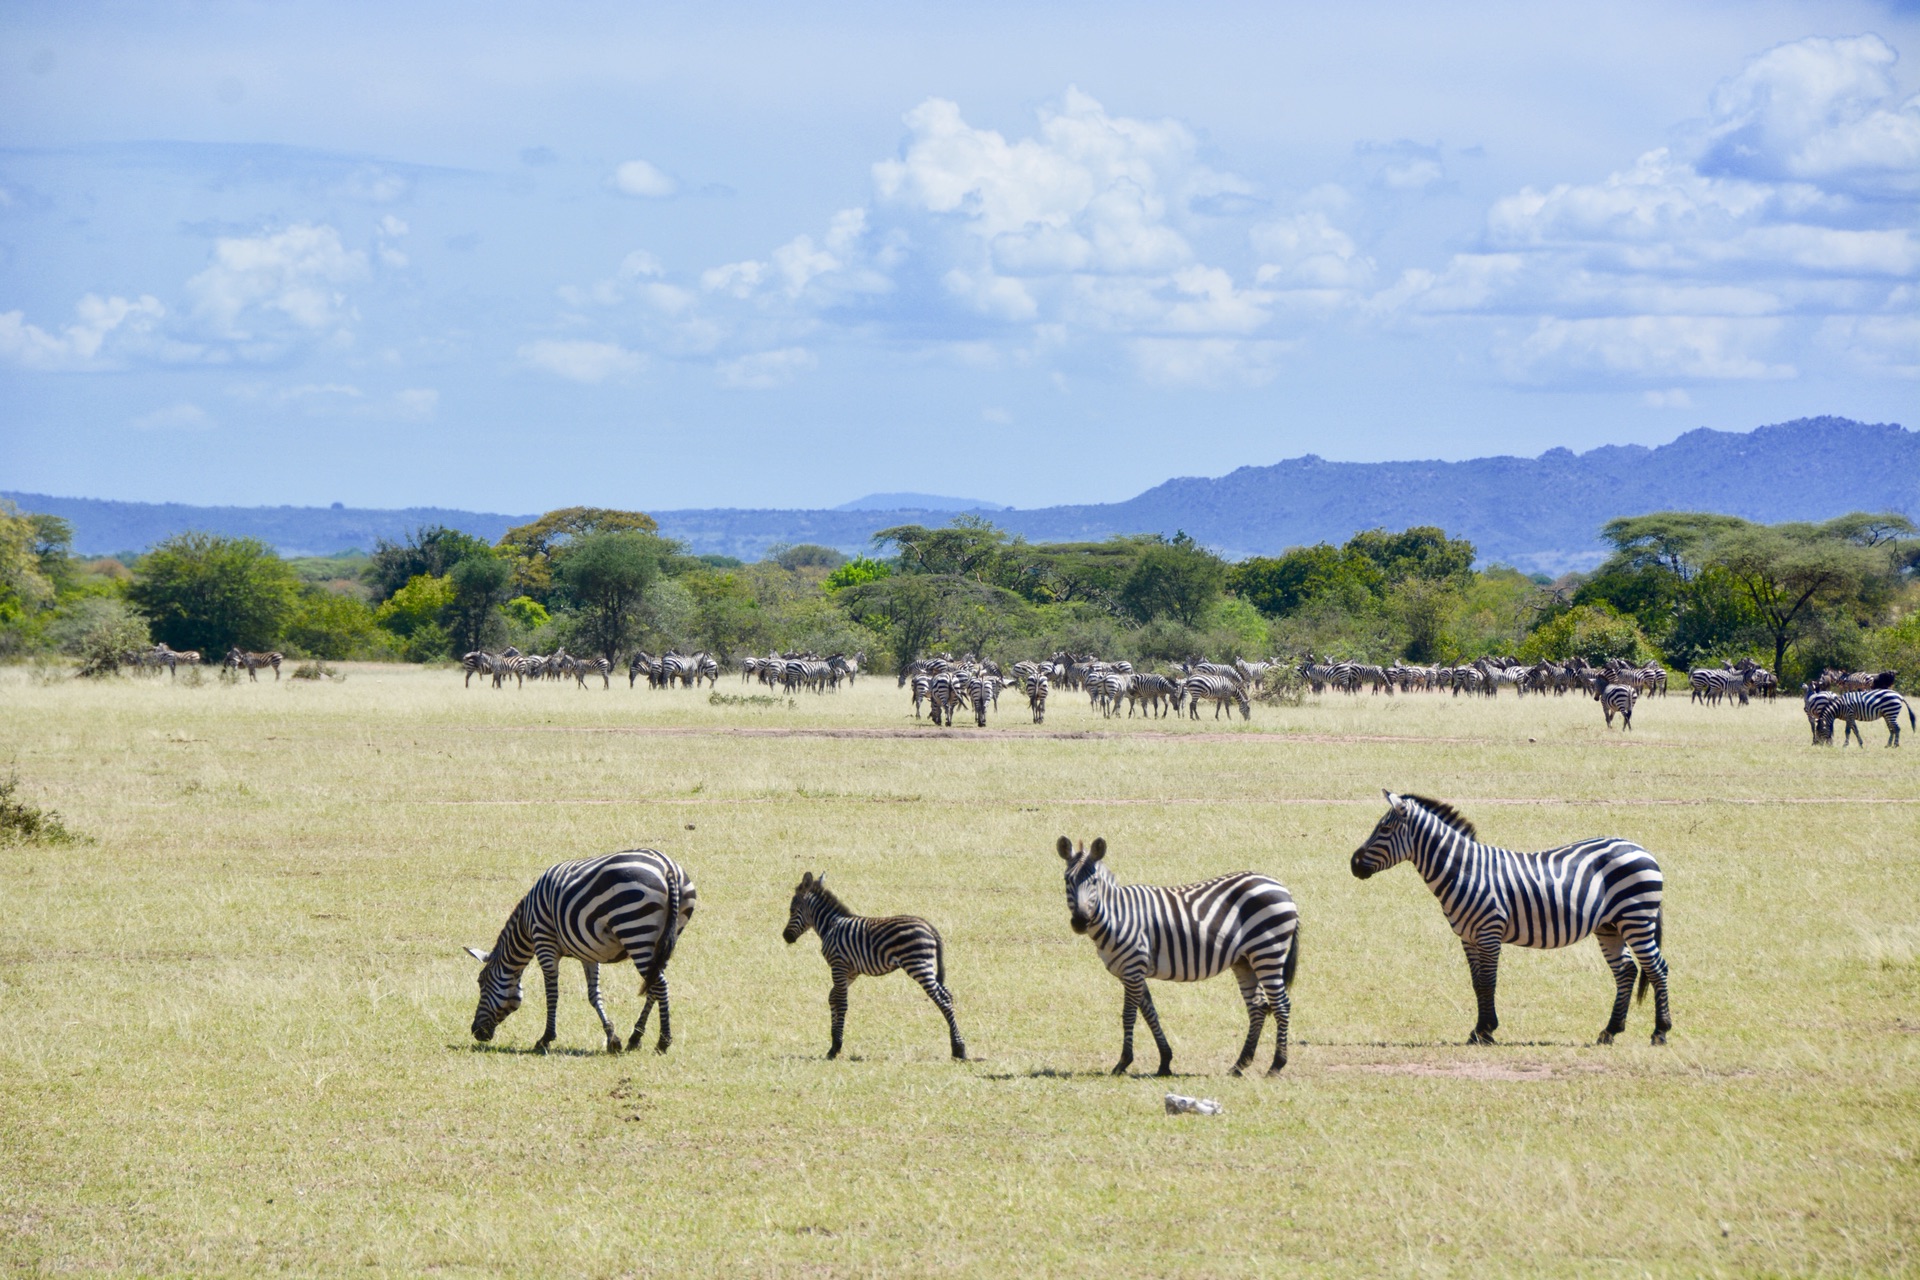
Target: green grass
(233, 1033)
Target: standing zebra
(1245, 922)
(873, 946)
(1037, 696)
(1222, 691)
(945, 692)
(1864, 704)
(1606, 887)
(1617, 698)
(632, 905)
(238, 657)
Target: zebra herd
(945, 684)
(1486, 676)
(634, 905)
(793, 671)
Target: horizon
(479, 258)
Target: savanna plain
(234, 1018)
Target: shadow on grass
(1495, 1047)
(1055, 1073)
(528, 1051)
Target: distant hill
(919, 502)
(1539, 513)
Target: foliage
(1177, 579)
(605, 577)
(1283, 585)
(1423, 551)
(856, 571)
(969, 547)
(420, 604)
(202, 591)
(1897, 648)
(30, 547)
(23, 823)
(326, 624)
(526, 612)
(1591, 631)
(430, 551)
(116, 633)
(534, 550)
(809, 556)
(479, 585)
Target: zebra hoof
(1276, 1068)
(1120, 1069)
(959, 1053)
(1605, 1037)
(1239, 1069)
(1480, 1037)
(1166, 1069)
(1659, 1037)
(613, 1044)
(541, 1048)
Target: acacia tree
(480, 585)
(535, 549)
(202, 591)
(605, 577)
(1789, 572)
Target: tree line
(1684, 588)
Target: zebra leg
(593, 998)
(943, 1001)
(1483, 962)
(1282, 1006)
(1614, 948)
(1256, 1001)
(640, 1027)
(1127, 1010)
(837, 1002)
(550, 970)
(1153, 1024)
(1643, 937)
(665, 1040)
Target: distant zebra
(983, 690)
(583, 668)
(1218, 690)
(1152, 692)
(870, 946)
(1245, 922)
(1618, 698)
(478, 662)
(945, 692)
(922, 691)
(632, 905)
(1106, 690)
(1037, 696)
(238, 657)
(1713, 684)
(1867, 705)
(1606, 887)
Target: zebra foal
(1606, 887)
(632, 905)
(1245, 922)
(870, 946)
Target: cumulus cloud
(1209, 363)
(638, 178)
(88, 343)
(764, 370)
(1797, 209)
(581, 361)
(295, 278)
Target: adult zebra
(1036, 696)
(238, 657)
(1219, 690)
(1245, 922)
(631, 905)
(1617, 698)
(945, 692)
(1863, 704)
(870, 946)
(1606, 887)
(1713, 684)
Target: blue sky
(514, 257)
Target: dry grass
(236, 1034)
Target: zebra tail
(939, 959)
(1646, 979)
(669, 933)
(1293, 959)
(1911, 722)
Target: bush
(325, 625)
(201, 591)
(1592, 631)
(429, 642)
(23, 823)
(856, 571)
(111, 642)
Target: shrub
(23, 823)
(326, 625)
(111, 642)
(202, 591)
(1591, 631)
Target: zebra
(984, 690)
(1036, 696)
(870, 946)
(1713, 684)
(585, 668)
(631, 905)
(1820, 707)
(1607, 887)
(1318, 675)
(1617, 698)
(1151, 692)
(1106, 690)
(1865, 704)
(1218, 690)
(238, 657)
(1245, 922)
(922, 691)
(945, 692)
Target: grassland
(235, 1024)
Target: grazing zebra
(632, 905)
(1037, 696)
(238, 657)
(1245, 922)
(1864, 704)
(1618, 698)
(585, 668)
(1606, 887)
(1152, 692)
(1218, 690)
(870, 946)
(1820, 707)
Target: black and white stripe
(1862, 705)
(1607, 887)
(1245, 922)
(1618, 699)
(864, 946)
(631, 905)
(238, 657)
(1223, 691)
(1037, 695)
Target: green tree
(1591, 631)
(969, 547)
(809, 556)
(1791, 572)
(26, 580)
(534, 549)
(329, 624)
(856, 571)
(909, 609)
(1423, 551)
(605, 577)
(202, 591)
(480, 583)
(1177, 579)
(1281, 585)
(431, 550)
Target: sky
(511, 257)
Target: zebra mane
(824, 896)
(1446, 813)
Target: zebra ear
(481, 956)
(1393, 801)
(1099, 848)
(1064, 847)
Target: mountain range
(1539, 514)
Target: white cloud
(1206, 362)
(1659, 347)
(638, 178)
(1884, 344)
(296, 275)
(86, 343)
(996, 415)
(1308, 252)
(1672, 398)
(737, 278)
(581, 361)
(764, 370)
(176, 417)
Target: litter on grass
(1179, 1104)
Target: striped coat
(631, 905)
(1607, 887)
(1243, 922)
(1863, 704)
(862, 946)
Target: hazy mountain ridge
(1538, 513)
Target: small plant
(23, 823)
(717, 699)
(317, 669)
(1281, 687)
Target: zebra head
(1087, 881)
(1389, 843)
(800, 911)
(499, 994)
